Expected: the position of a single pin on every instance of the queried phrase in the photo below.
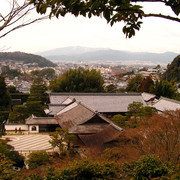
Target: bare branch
(22, 25)
(17, 17)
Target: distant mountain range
(106, 55)
(26, 58)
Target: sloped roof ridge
(69, 97)
(148, 93)
(111, 122)
(67, 107)
(99, 94)
(56, 105)
(167, 99)
(43, 118)
(87, 107)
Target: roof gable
(74, 116)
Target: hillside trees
(159, 135)
(113, 11)
(16, 14)
(26, 58)
(78, 81)
(173, 71)
(165, 89)
(48, 73)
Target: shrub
(38, 158)
(146, 167)
(120, 120)
(89, 170)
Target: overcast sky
(155, 35)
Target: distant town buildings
(115, 74)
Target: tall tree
(38, 91)
(113, 11)
(19, 114)
(165, 88)
(5, 99)
(37, 98)
(78, 81)
(16, 14)
(134, 83)
(147, 85)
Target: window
(34, 128)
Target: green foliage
(113, 11)
(111, 88)
(5, 99)
(3, 117)
(147, 167)
(165, 89)
(89, 170)
(62, 139)
(21, 96)
(11, 73)
(173, 71)
(134, 109)
(158, 67)
(120, 120)
(5, 102)
(5, 168)
(37, 98)
(38, 158)
(38, 91)
(78, 81)
(137, 110)
(148, 111)
(48, 73)
(14, 156)
(26, 58)
(12, 89)
(36, 108)
(134, 84)
(19, 114)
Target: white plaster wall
(12, 127)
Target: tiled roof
(41, 120)
(55, 108)
(147, 96)
(97, 140)
(74, 116)
(81, 119)
(102, 102)
(167, 104)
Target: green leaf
(176, 9)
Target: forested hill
(173, 70)
(26, 58)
